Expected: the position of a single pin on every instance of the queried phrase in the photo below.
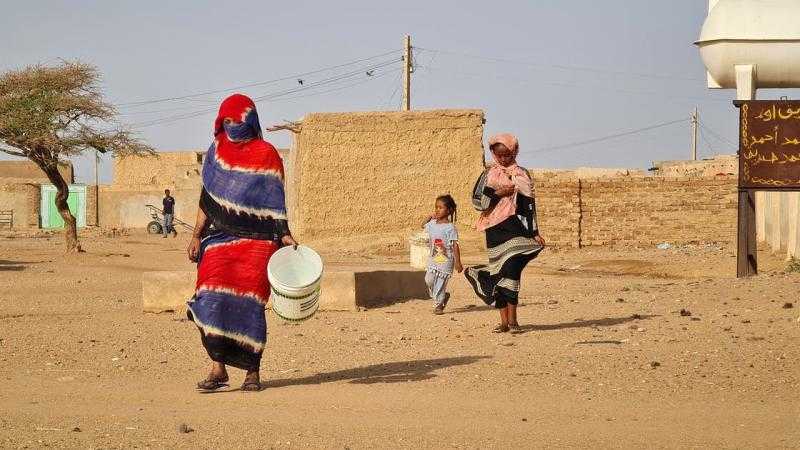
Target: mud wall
(162, 171)
(380, 172)
(14, 172)
(23, 200)
(126, 207)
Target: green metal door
(76, 201)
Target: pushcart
(155, 226)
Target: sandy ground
(606, 360)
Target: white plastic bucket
(420, 250)
(295, 277)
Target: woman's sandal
(251, 386)
(501, 329)
(212, 384)
(515, 328)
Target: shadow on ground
(12, 266)
(477, 308)
(605, 322)
(393, 372)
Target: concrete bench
(343, 288)
(348, 288)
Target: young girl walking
(444, 252)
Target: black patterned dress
(510, 246)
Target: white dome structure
(751, 41)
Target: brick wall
(558, 211)
(637, 211)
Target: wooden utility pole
(96, 189)
(695, 120)
(407, 75)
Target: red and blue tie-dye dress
(244, 201)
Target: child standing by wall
(445, 254)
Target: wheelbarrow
(155, 226)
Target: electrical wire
(460, 73)
(708, 144)
(328, 80)
(307, 86)
(259, 83)
(716, 135)
(175, 118)
(562, 67)
(388, 102)
(357, 83)
(275, 96)
(608, 137)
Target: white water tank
(762, 34)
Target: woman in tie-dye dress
(241, 222)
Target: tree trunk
(70, 224)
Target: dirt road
(606, 360)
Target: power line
(156, 111)
(277, 96)
(329, 80)
(177, 117)
(716, 135)
(461, 73)
(608, 137)
(564, 67)
(259, 83)
(307, 86)
(708, 144)
(388, 102)
(357, 83)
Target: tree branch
(294, 127)
(12, 152)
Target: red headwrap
(235, 108)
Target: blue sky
(553, 72)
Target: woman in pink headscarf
(504, 195)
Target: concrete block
(384, 287)
(343, 289)
(338, 292)
(347, 289)
(167, 290)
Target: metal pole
(694, 134)
(407, 75)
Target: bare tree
(48, 114)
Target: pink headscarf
(512, 175)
